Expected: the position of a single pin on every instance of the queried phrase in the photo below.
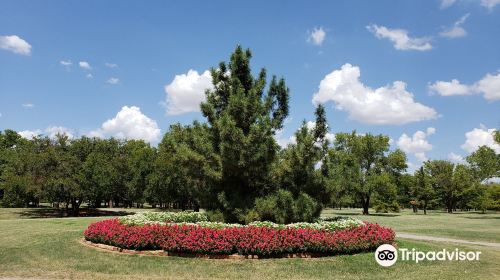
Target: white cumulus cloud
(28, 105)
(450, 88)
(15, 44)
(50, 131)
(489, 4)
(329, 136)
(129, 123)
(489, 86)
(85, 65)
(66, 63)
(282, 141)
(317, 36)
(417, 144)
(113, 81)
(400, 38)
(447, 3)
(456, 30)
(29, 134)
(111, 65)
(455, 158)
(479, 137)
(391, 104)
(185, 93)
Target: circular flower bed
(262, 239)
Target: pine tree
(243, 120)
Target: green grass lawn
(473, 226)
(49, 248)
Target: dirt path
(444, 239)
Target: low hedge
(249, 240)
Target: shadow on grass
(48, 212)
(483, 218)
(360, 214)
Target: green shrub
(278, 207)
(284, 212)
(266, 207)
(282, 208)
(251, 216)
(381, 208)
(306, 208)
(394, 207)
(215, 216)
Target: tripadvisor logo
(387, 255)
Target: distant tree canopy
(364, 163)
(232, 166)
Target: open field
(472, 226)
(48, 248)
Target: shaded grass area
(49, 212)
(473, 226)
(49, 248)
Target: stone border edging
(115, 249)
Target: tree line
(232, 166)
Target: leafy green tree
(423, 190)
(485, 199)
(138, 165)
(157, 188)
(191, 169)
(101, 172)
(493, 191)
(368, 164)
(404, 185)
(242, 120)
(340, 171)
(26, 172)
(385, 198)
(63, 184)
(485, 163)
(9, 139)
(466, 185)
(441, 175)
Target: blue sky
(426, 73)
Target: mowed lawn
(473, 226)
(48, 248)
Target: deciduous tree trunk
(366, 205)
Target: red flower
(262, 241)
